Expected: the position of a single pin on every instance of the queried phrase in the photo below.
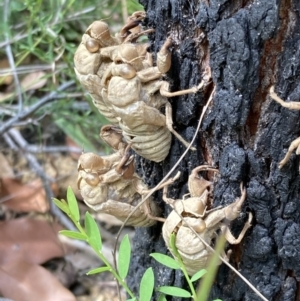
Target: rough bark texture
(250, 46)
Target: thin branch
(10, 58)
(46, 99)
(37, 168)
(165, 178)
(10, 142)
(38, 149)
(32, 68)
(169, 173)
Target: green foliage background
(44, 35)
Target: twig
(170, 172)
(37, 149)
(21, 142)
(44, 100)
(11, 58)
(24, 69)
(10, 142)
(227, 263)
(164, 179)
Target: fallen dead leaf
(6, 170)
(64, 170)
(34, 81)
(24, 197)
(71, 143)
(24, 281)
(32, 240)
(26, 243)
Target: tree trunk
(249, 46)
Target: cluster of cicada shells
(128, 90)
(109, 184)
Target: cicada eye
(197, 224)
(92, 45)
(200, 226)
(92, 180)
(127, 71)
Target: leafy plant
(90, 233)
(178, 264)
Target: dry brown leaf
(64, 169)
(34, 81)
(6, 171)
(23, 281)
(32, 240)
(71, 143)
(24, 197)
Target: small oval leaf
(73, 234)
(166, 260)
(63, 207)
(174, 291)
(162, 297)
(73, 205)
(124, 257)
(198, 275)
(147, 285)
(92, 232)
(98, 270)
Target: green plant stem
(100, 255)
(182, 266)
(119, 279)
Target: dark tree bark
(250, 46)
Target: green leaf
(17, 5)
(217, 300)
(147, 285)
(73, 234)
(134, 299)
(198, 275)
(174, 291)
(166, 260)
(63, 207)
(92, 232)
(98, 270)
(73, 205)
(124, 257)
(75, 132)
(162, 297)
